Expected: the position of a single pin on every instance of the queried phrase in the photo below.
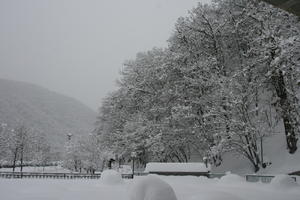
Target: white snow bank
(151, 187)
(204, 179)
(231, 178)
(176, 167)
(283, 181)
(111, 177)
(217, 195)
(185, 188)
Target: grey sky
(77, 47)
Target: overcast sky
(77, 47)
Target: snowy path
(186, 188)
(192, 188)
(43, 189)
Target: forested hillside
(227, 82)
(43, 112)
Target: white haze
(77, 47)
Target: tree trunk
(287, 111)
(15, 159)
(22, 154)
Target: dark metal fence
(19, 175)
(48, 175)
(59, 175)
(262, 178)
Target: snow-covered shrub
(151, 187)
(111, 177)
(231, 178)
(283, 181)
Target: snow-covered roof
(177, 167)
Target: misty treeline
(228, 78)
(20, 146)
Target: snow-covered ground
(231, 187)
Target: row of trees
(20, 146)
(229, 76)
(84, 153)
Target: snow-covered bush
(151, 187)
(283, 181)
(231, 178)
(111, 177)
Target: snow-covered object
(151, 187)
(176, 167)
(283, 181)
(111, 177)
(231, 178)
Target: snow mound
(204, 179)
(216, 195)
(151, 187)
(231, 178)
(111, 177)
(283, 181)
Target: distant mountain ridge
(44, 111)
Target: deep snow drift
(151, 188)
(185, 187)
(283, 181)
(111, 177)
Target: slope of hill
(44, 111)
(275, 152)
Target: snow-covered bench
(178, 169)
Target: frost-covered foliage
(229, 75)
(21, 146)
(84, 154)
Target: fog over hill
(44, 111)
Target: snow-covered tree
(229, 73)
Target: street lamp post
(133, 156)
(205, 161)
(69, 135)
